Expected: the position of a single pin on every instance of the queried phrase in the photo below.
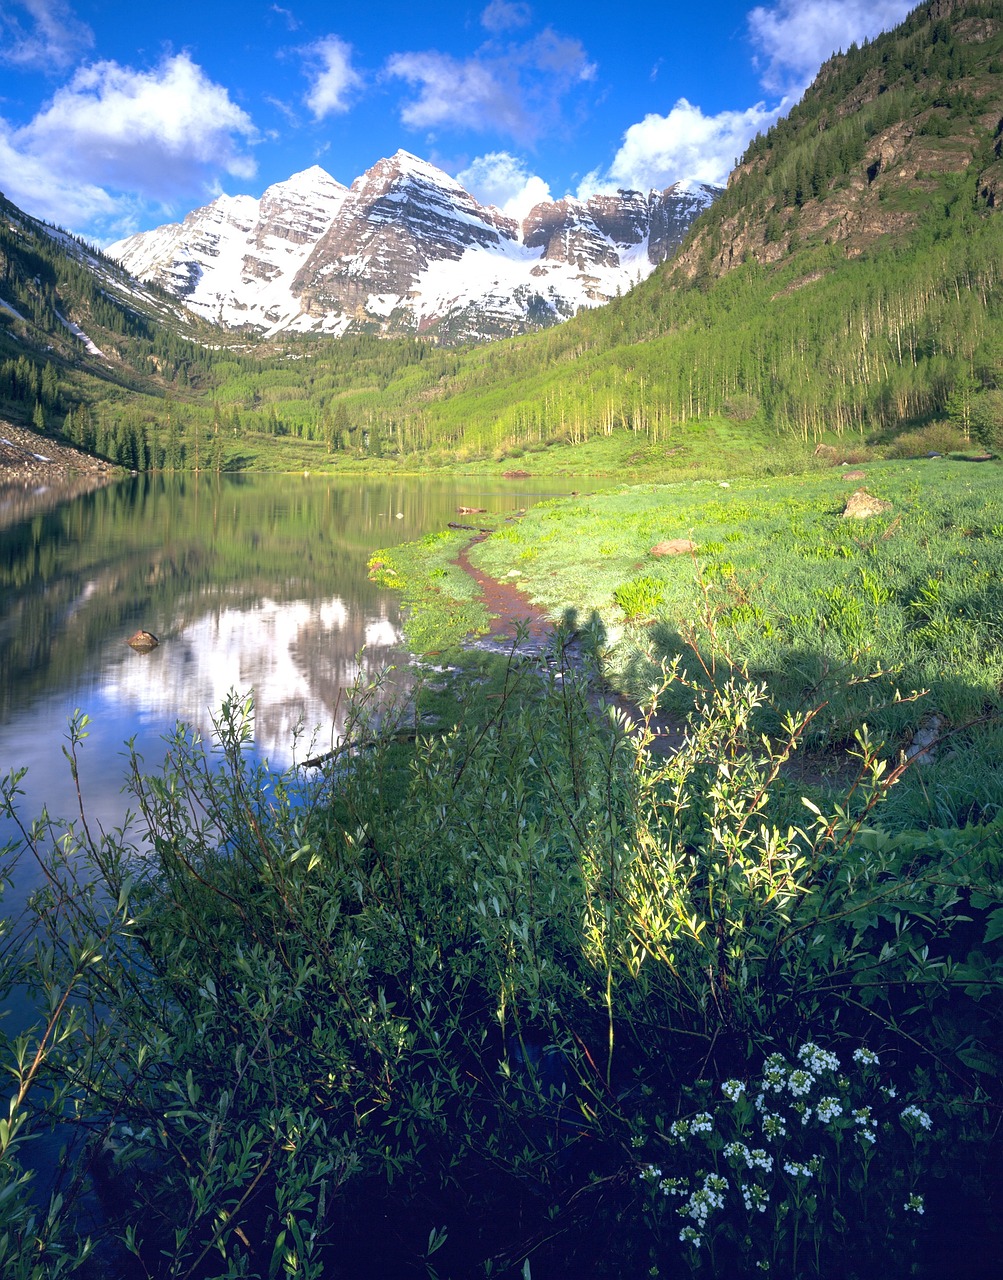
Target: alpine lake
(253, 585)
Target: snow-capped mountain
(406, 249)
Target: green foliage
(449, 994)
(639, 598)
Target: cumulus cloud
(501, 179)
(32, 184)
(41, 33)
(683, 146)
(502, 15)
(794, 37)
(333, 78)
(515, 90)
(114, 139)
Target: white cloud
(290, 19)
(504, 181)
(39, 190)
(466, 93)
(794, 37)
(502, 15)
(329, 66)
(52, 38)
(114, 139)
(684, 146)
(517, 90)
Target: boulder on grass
(673, 547)
(861, 504)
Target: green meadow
(893, 621)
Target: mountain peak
(311, 179)
(405, 248)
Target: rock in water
(861, 504)
(143, 641)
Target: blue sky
(116, 116)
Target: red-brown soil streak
(507, 606)
(511, 613)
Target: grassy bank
(891, 621)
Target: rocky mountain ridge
(407, 249)
(881, 136)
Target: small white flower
(912, 1115)
(774, 1125)
(828, 1109)
(799, 1082)
(866, 1057)
(867, 1137)
(733, 1089)
(797, 1170)
(914, 1204)
(702, 1122)
(889, 1091)
(774, 1072)
(817, 1060)
(690, 1235)
(755, 1197)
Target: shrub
(640, 597)
(938, 437)
(429, 1002)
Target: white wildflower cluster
(690, 1235)
(889, 1091)
(866, 1057)
(755, 1159)
(702, 1122)
(774, 1125)
(817, 1060)
(774, 1072)
(797, 1170)
(800, 1082)
(913, 1117)
(733, 1089)
(914, 1204)
(828, 1109)
(864, 1118)
(638, 1140)
(708, 1197)
(755, 1198)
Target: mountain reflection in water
(251, 584)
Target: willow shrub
(440, 1010)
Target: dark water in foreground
(253, 584)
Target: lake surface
(251, 584)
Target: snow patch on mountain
(79, 333)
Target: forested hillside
(848, 281)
